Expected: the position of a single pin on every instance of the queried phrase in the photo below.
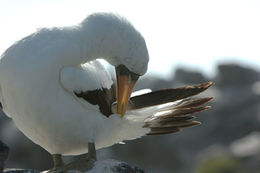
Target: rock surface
(114, 166)
(4, 150)
(102, 166)
(13, 170)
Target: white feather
(140, 92)
(86, 77)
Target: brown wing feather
(101, 97)
(193, 102)
(178, 117)
(162, 131)
(166, 95)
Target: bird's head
(116, 40)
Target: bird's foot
(83, 164)
(57, 170)
(58, 164)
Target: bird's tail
(169, 110)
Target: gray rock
(248, 146)
(101, 166)
(235, 75)
(114, 166)
(189, 76)
(4, 150)
(13, 170)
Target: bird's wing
(176, 117)
(166, 95)
(91, 83)
(148, 98)
(168, 111)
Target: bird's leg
(92, 151)
(58, 164)
(85, 163)
(57, 160)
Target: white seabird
(61, 98)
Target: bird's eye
(122, 70)
(134, 77)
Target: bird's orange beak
(125, 84)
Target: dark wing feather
(166, 95)
(193, 102)
(162, 131)
(177, 118)
(102, 97)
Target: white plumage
(78, 78)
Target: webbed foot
(83, 164)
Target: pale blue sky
(197, 34)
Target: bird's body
(61, 97)
(46, 110)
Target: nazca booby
(61, 97)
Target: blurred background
(189, 42)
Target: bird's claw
(81, 165)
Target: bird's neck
(96, 48)
(97, 44)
